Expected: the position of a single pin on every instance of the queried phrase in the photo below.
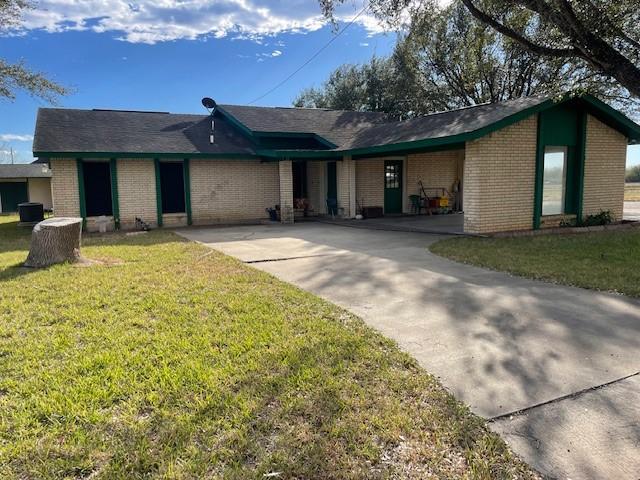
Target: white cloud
(13, 137)
(151, 21)
(276, 53)
(364, 44)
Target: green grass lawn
(603, 261)
(632, 192)
(169, 360)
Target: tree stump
(55, 240)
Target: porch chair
(416, 204)
(332, 207)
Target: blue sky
(139, 56)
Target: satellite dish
(209, 103)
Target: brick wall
(232, 190)
(436, 170)
(64, 187)
(137, 191)
(285, 173)
(370, 182)
(499, 179)
(316, 186)
(605, 161)
(346, 183)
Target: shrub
(605, 217)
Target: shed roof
(29, 170)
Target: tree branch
(509, 32)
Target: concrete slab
(631, 211)
(582, 437)
(499, 343)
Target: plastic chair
(416, 204)
(332, 207)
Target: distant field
(632, 192)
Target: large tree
(17, 76)
(449, 60)
(605, 34)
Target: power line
(324, 47)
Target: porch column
(346, 173)
(286, 191)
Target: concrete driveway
(526, 354)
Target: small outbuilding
(523, 164)
(24, 183)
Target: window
(97, 188)
(554, 180)
(172, 187)
(392, 175)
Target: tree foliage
(633, 174)
(604, 35)
(450, 60)
(17, 76)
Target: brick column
(286, 191)
(346, 173)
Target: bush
(633, 174)
(602, 218)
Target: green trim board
(563, 127)
(186, 175)
(81, 192)
(156, 164)
(115, 200)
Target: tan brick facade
(604, 169)
(285, 173)
(346, 183)
(224, 191)
(317, 186)
(370, 182)
(436, 170)
(64, 187)
(499, 179)
(137, 191)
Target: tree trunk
(55, 240)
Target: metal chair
(332, 207)
(416, 204)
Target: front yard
(168, 360)
(606, 261)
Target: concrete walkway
(500, 344)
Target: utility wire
(323, 48)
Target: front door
(11, 194)
(393, 186)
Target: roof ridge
(319, 109)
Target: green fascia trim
(115, 201)
(187, 189)
(622, 123)
(539, 175)
(150, 155)
(236, 123)
(156, 163)
(81, 195)
(581, 158)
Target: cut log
(55, 240)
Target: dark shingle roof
(444, 124)
(67, 130)
(28, 170)
(109, 131)
(337, 126)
